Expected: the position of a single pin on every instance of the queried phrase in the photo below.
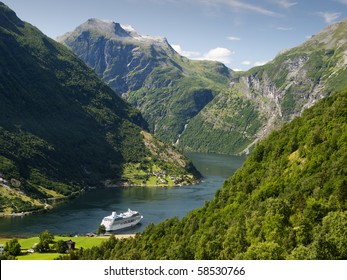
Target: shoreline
(106, 236)
(118, 236)
(106, 184)
(21, 214)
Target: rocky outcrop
(120, 56)
(296, 79)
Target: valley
(225, 164)
(63, 131)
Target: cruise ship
(122, 220)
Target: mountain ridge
(277, 91)
(62, 129)
(168, 88)
(239, 108)
(113, 30)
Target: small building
(70, 245)
(32, 249)
(2, 249)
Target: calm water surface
(85, 213)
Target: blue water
(85, 213)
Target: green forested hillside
(62, 129)
(227, 125)
(176, 92)
(288, 201)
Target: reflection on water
(216, 165)
(85, 213)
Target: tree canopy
(288, 201)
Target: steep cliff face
(297, 78)
(119, 55)
(145, 70)
(277, 92)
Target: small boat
(122, 220)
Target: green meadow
(27, 243)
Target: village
(159, 178)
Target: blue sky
(241, 34)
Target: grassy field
(81, 241)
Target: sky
(241, 34)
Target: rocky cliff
(275, 93)
(145, 70)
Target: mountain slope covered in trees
(288, 201)
(201, 105)
(62, 129)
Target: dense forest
(288, 201)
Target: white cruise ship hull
(123, 220)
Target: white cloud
(281, 28)
(250, 7)
(233, 38)
(246, 62)
(285, 3)
(343, 1)
(329, 17)
(128, 28)
(238, 5)
(260, 63)
(235, 5)
(219, 54)
(189, 54)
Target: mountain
(62, 129)
(146, 71)
(203, 106)
(119, 55)
(265, 97)
(288, 201)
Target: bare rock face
(296, 79)
(121, 57)
(146, 71)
